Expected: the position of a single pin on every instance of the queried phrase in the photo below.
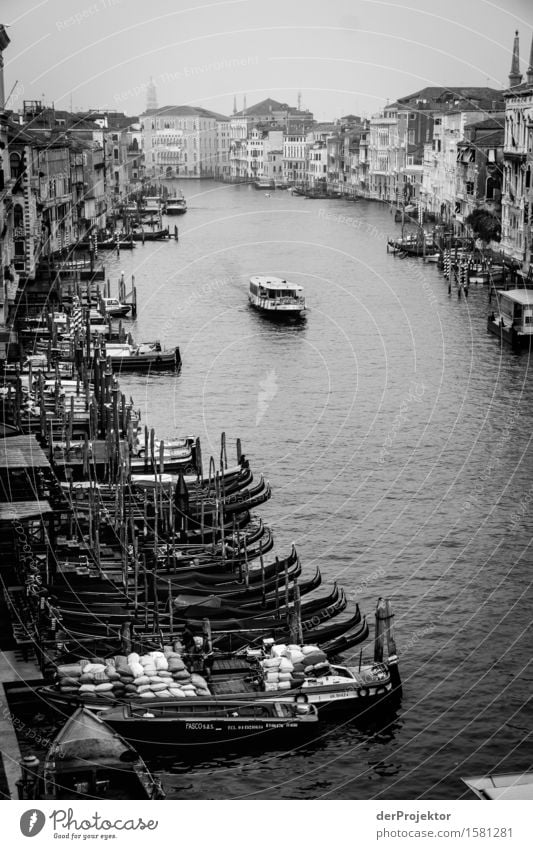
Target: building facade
(517, 199)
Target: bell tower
(515, 77)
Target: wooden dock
(12, 671)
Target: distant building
(181, 141)
(271, 111)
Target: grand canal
(396, 435)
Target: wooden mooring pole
(385, 628)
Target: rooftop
(443, 94)
(518, 296)
(275, 283)
(269, 105)
(186, 111)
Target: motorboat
(276, 298)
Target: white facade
(317, 164)
(179, 142)
(295, 151)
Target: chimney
(515, 77)
(234, 104)
(244, 105)
(4, 41)
(529, 74)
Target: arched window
(15, 164)
(490, 189)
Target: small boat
(144, 357)
(151, 205)
(176, 206)
(89, 760)
(150, 235)
(264, 184)
(512, 785)
(276, 298)
(114, 308)
(485, 272)
(179, 723)
(513, 322)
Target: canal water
(396, 435)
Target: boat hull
(517, 341)
(157, 361)
(279, 313)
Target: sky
(344, 56)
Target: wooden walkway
(12, 670)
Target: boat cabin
(274, 288)
(516, 309)
(152, 203)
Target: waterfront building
(258, 131)
(400, 163)
(222, 164)
(383, 155)
(438, 192)
(480, 168)
(262, 143)
(295, 151)
(517, 199)
(273, 161)
(317, 165)
(180, 141)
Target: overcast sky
(343, 55)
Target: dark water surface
(396, 435)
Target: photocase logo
(32, 822)
(268, 391)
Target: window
(15, 164)
(490, 188)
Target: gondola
(150, 235)
(100, 588)
(89, 760)
(236, 480)
(249, 628)
(247, 597)
(186, 608)
(235, 639)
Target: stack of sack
(289, 666)
(158, 674)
